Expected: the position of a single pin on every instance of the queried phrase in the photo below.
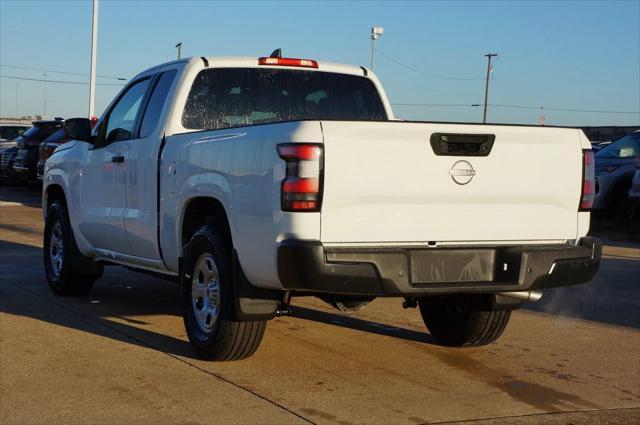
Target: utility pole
(44, 97)
(17, 85)
(179, 47)
(486, 88)
(94, 48)
(375, 33)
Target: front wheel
(68, 271)
(208, 299)
(462, 320)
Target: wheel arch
(201, 210)
(52, 193)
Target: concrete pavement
(120, 354)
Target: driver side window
(122, 118)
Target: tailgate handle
(450, 144)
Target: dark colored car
(7, 158)
(615, 165)
(9, 131)
(28, 145)
(47, 147)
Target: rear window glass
(233, 97)
(11, 132)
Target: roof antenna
(276, 53)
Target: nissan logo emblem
(462, 172)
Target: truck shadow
(122, 306)
(361, 325)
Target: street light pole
(375, 33)
(94, 48)
(17, 85)
(179, 47)
(486, 87)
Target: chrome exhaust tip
(532, 296)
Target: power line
(58, 81)
(436, 104)
(515, 107)
(566, 109)
(442, 77)
(61, 72)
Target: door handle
(117, 158)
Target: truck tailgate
(383, 183)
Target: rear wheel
(68, 271)
(208, 300)
(462, 320)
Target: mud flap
(252, 303)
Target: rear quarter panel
(240, 168)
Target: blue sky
(572, 55)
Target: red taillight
(303, 63)
(588, 181)
(302, 186)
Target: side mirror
(78, 129)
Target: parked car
(614, 170)
(47, 147)
(634, 192)
(254, 180)
(9, 131)
(26, 159)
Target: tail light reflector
(588, 181)
(301, 189)
(303, 63)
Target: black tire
(462, 320)
(221, 337)
(72, 273)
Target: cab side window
(156, 103)
(122, 118)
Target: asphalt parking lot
(120, 355)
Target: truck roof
(252, 62)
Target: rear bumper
(307, 266)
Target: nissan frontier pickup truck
(254, 180)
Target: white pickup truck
(252, 180)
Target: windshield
(232, 97)
(11, 132)
(40, 132)
(626, 147)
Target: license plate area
(452, 266)
(439, 266)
